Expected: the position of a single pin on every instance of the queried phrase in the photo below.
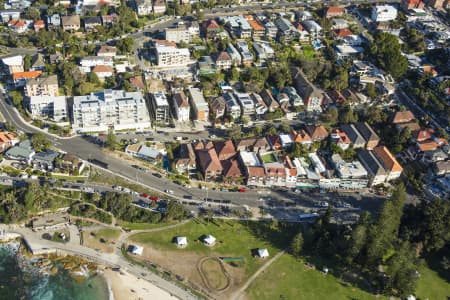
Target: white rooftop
(16, 60)
(249, 158)
(160, 99)
(209, 239)
(263, 253)
(181, 241)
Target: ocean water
(20, 280)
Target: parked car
(169, 192)
(242, 190)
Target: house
(107, 51)
(233, 109)
(333, 11)
(143, 152)
(271, 30)
(313, 28)
(185, 158)
(236, 58)
(20, 78)
(181, 241)
(69, 163)
(263, 50)
(246, 55)
(389, 162)
(340, 138)
(44, 160)
(211, 29)
(53, 21)
(317, 132)
(377, 173)
(255, 145)
(181, 107)
(48, 107)
(249, 158)
(19, 26)
(342, 33)
(274, 142)
(143, 7)
(383, 13)
(258, 29)
(209, 163)
(199, 105)
(109, 20)
(13, 64)
(246, 103)
(70, 23)
(160, 110)
(223, 61)
(91, 22)
(103, 71)
(412, 4)
(42, 86)
(159, 7)
(37, 62)
(260, 105)
(231, 170)
(178, 33)
(38, 25)
(238, 26)
(312, 96)
(9, 15)
(275, 174)
(209, 240)
(225, 149)
(348, 170)
(256, 175)
(372, 139)
(206, 65)
(217, 107)
(286, 30)
(7, 140)
(294, 98)
(301, 137)
(441, 168)
(263, 253)
(267, 97)
(400, 117)
(23, 151)
(353, 134)
(137, 83)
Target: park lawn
(431, 286)
(141, 226)
(289, 278)
(234, 239)
(107, 233)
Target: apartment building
(199, 104)
(167, 56)
(286, 31)
(246, 103)
(70, 23)
(383, 13)
(232, 107)
(110, 109)
(143, 7)
(42, 86)
(181, 107)
(178, 33)
(48, 107)
(159, 108)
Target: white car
(169, 192)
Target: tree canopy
(386, 51)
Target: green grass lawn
(268, 158)
(289, 277)
(139, 226)
(234, 239)
(431, 286)
(107, 233)
(68, 177)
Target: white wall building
(384, 13)
(178, 34)
(52, 107)
(167, 56)
(115, 109)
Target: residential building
(199, 105)
(225, 149)
(194, 29)
(223, 61)
(238, 26)
(301, 137)
(103, 72)
(53, 21)
(317, 132)
(160, 110)
(256, 175)
(181, 107)
(13, 64)
(389, 162)
(353, 134)
(232, 107)
(38, 25)
(247, 56)
(178, 33)
(231, 170)
(185, 158)
(311, 95)
(167, 56)
(88, 62)
(340, 138)
(20, 78)
(48, 107)
(246, 103)
(37, 62)
(23, 151)
(348, 170)
(271, 30)
(286, 31)
(270, 101)
(110, 20)
(69, 163)
(372, 139)
(377, 173)
(206, 65)
(7, 140)
(211, 29)
(209, 163)
(294, 98)
(144, 152)
(263, 50)
(44, 160)
(217, 107)
(412, 4)
(441, 168)
(258, 29)
(70, 23)
(10, 15)
(19, 26)
(400, 117)
(260, 105)
(107, 51)
(234, 54)
(143, 7)
(91, 22)
(159, 7)
(384, 13)
(333, 11)
(110, 109)
(42, 86)
(314, 29)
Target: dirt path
(239, 293)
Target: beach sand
(126, 286)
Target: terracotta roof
(231, 168)
(6, 137)
(39, 23)
(225, 149)
(343, 32)
(26, 75)
(387, 159)
(428, 146)
(164, 43)
(274, 141)
(403, 117)
(136, 81)
(223, 56)
(16, 23)
(317, 133)
(211, 24)
(335, 10)
(180, 99)
(255, 25)
(340, 137)
(300, 136)
(261, 143)
(423, 135)
(209, 161)
(276, 171)
(103, 69)
(255, 171)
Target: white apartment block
(178, 34)
(384, 13)
(160, 108)
(110, 109)
(86, 63)
(167, 56)
(42, 86)
(48, 107)
(247, 104)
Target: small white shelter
(209, 240)
(263, 253)
(136, 250)
(181, 241)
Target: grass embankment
(141, 226)
(432, 286)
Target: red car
(154, 198)
(144, 195)
(242, 191)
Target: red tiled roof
(225, 149)
(425, 134)
(335, 10)
(39, 23)
(388, 159)
(212, 24)
(103, 69)
(300, 136)
(231, 168)
(343, 32)
(27, 75)
(255, 171)
(255, 25)
(403, 117)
